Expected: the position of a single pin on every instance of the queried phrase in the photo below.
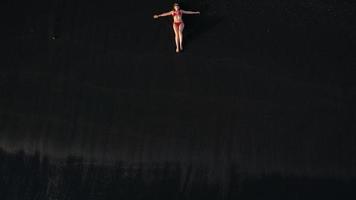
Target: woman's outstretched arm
(163, 14)
(190, 12)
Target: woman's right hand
(155, 16)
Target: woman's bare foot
(181, 48)
(177, 50)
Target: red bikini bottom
(177, 24)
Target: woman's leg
(181, 28)
(176, 33)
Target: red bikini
(179, 13)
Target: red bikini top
(179, 12)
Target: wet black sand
(96, 104)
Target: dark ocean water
(35, 177)
(96, 104)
